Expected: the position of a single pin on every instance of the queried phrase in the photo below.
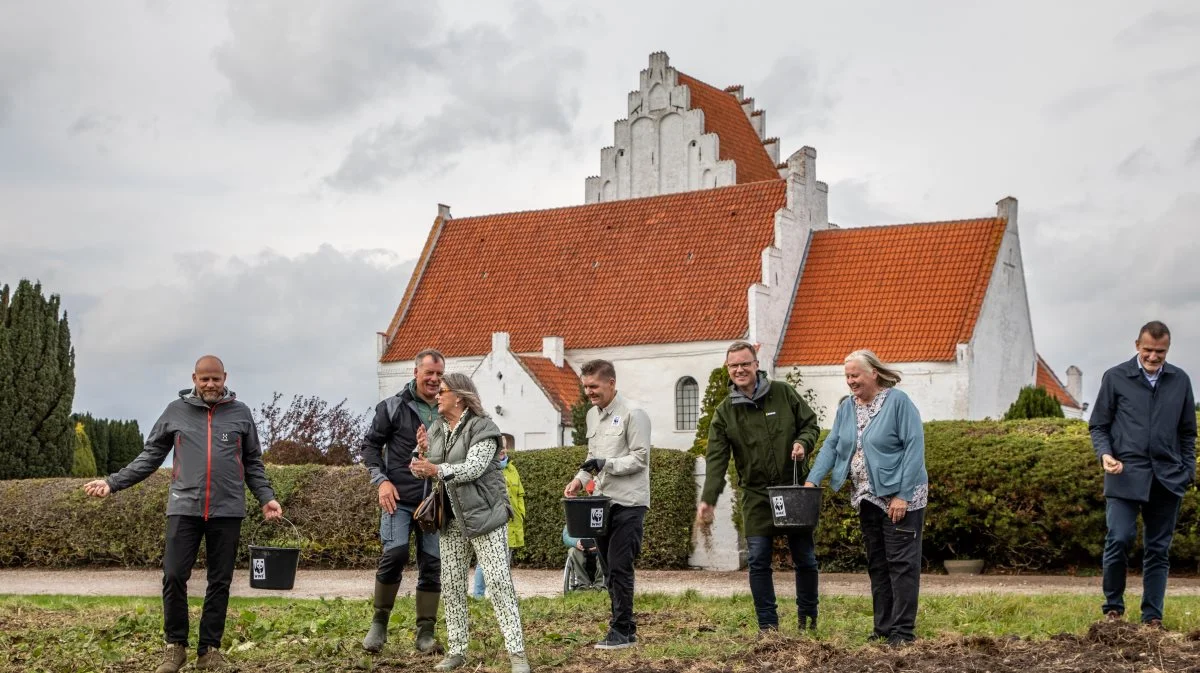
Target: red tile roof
(662, 269)
(909, 292)
(1046, 378)
(723, 116)
(561, 384)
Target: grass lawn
(686, 632)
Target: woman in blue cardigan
(877, 440)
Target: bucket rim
(259, 546)
(588, 498)
(794, 487)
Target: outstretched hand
(98, 488)
(572, 488)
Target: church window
(687, 403)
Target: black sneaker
(616, 641)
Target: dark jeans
(1158, 520)
(762, 583)
(620, 548)
(394, 533)
(220, 537)
(894, 565)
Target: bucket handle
(254, 531)
(796, 467)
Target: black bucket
(273, 567)
(795, 506)
(587, 515)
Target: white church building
(693, 235)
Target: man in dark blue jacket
(217, 456)
(388, 449)
(1143, 428)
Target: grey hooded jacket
(216, 452)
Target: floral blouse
(859, 476)
(479, 455)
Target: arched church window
(687, 403)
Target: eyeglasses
(734, 366)
(443, 391)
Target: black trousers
(620, 548)
(220, 537)
(894, 565)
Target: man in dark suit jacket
(1143, 429)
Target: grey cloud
(800, 91)
(310, 60)
(1139, 162)
(1097, 273)
(1159, 25)
(26, 52)
(1174, 75)
(851, 204)
(1193, 153)
(94, 122)
(1079, 100)
(501, 90)
(297, 325)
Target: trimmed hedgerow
(1018, 494)
(52, 523)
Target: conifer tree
(1034, 402)
(579, 418)
(37, 385)
(714, 394)
(84, 464)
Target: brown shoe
(1112, 616)
(1155, 624)
(212, 660)
(173, 658)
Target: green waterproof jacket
(758, 432)
(516, 500)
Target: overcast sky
(255, 178)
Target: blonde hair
(460, 384)
(888, 377)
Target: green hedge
(52, 523)
(1018, 494)
(668, 527)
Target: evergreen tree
(37, 385)
(796, 380)
(84, 464)
(579, 418)
(114, 443)
(98, 435)
(1034, 402)
(125, 442)
(714, 394)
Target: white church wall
(720, 550)
(525, 411)
(1002, 357)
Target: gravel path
(356, 584)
